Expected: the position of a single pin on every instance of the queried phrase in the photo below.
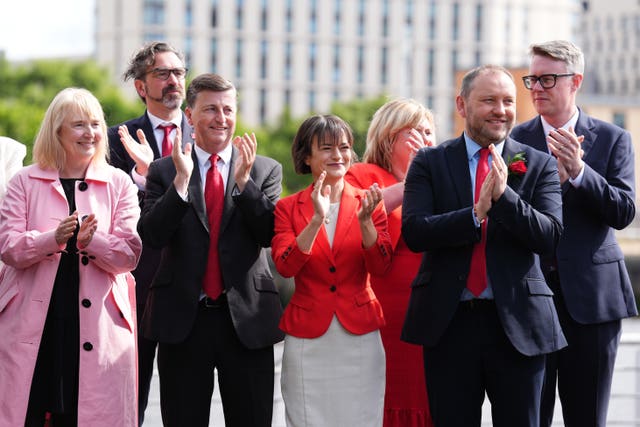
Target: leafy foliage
(28, 89)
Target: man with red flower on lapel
(479, 305)
(587, 274)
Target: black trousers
(245, 376)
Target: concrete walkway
(624, 409)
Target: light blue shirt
(473, 154)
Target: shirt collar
(571, 123)
(473, 147)
(157, 121)
(203, 156)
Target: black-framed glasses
(164, 73)
(547, 81)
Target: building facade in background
(306, 54)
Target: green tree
(28, 89)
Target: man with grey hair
(587, 271)
(158, 72)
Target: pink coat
(34, 204)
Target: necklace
(333, 210)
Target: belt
(219, 302)
(477, 303)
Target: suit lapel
(145, 125)
(196, 193)
(227, 209)
(456, 155)
(305, 212)
(583, 127)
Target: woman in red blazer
(329, 237)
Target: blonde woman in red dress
(398, 130)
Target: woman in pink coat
(68, 240)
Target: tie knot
(167, 128)
(214, 160)
(484, 153)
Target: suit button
(83, 186)
(332, 269)
(86, 303)
(87, 346)
(84, 260)
(332, 288)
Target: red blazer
(329, 279)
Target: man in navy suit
(490, 339)
(158, 72)
(587, 274)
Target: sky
(33, 29)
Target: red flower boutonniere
(517, 165)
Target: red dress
(405, 401)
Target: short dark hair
(470, 77)
(317, 129)
(208, 81)
(146, 57)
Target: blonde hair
(47, 149)
(387, 122)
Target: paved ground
(624, 410)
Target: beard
(170, 98)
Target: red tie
(167, 145)
(214, 200)
(477, 280)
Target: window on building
(336, 63)
(383, 66)
(153, 12)
(385, 18)
(312, 101)
(263, 15)
(264, 48)
(312, 61)
(433, 21)
(188, 49)
(455, 29)
(239, 14)
(263, 105)
(287, 61)
(360, 64)
(214, 55)
(361, 22)
(289, 16)
(188, 14)
(313, 17)
(337, 17)
(214, 13)
(478, 24)
(430, 66)
(239, 55)
(619, 119)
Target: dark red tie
(477, 280)
(214, 200)
(167, 145)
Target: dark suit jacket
(593, 275)
(526, 221)
(119, 158)
(181, 230)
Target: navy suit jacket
(181, 230)
(119, 158)
(525, 222)
(593, 275)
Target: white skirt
(336, 380)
